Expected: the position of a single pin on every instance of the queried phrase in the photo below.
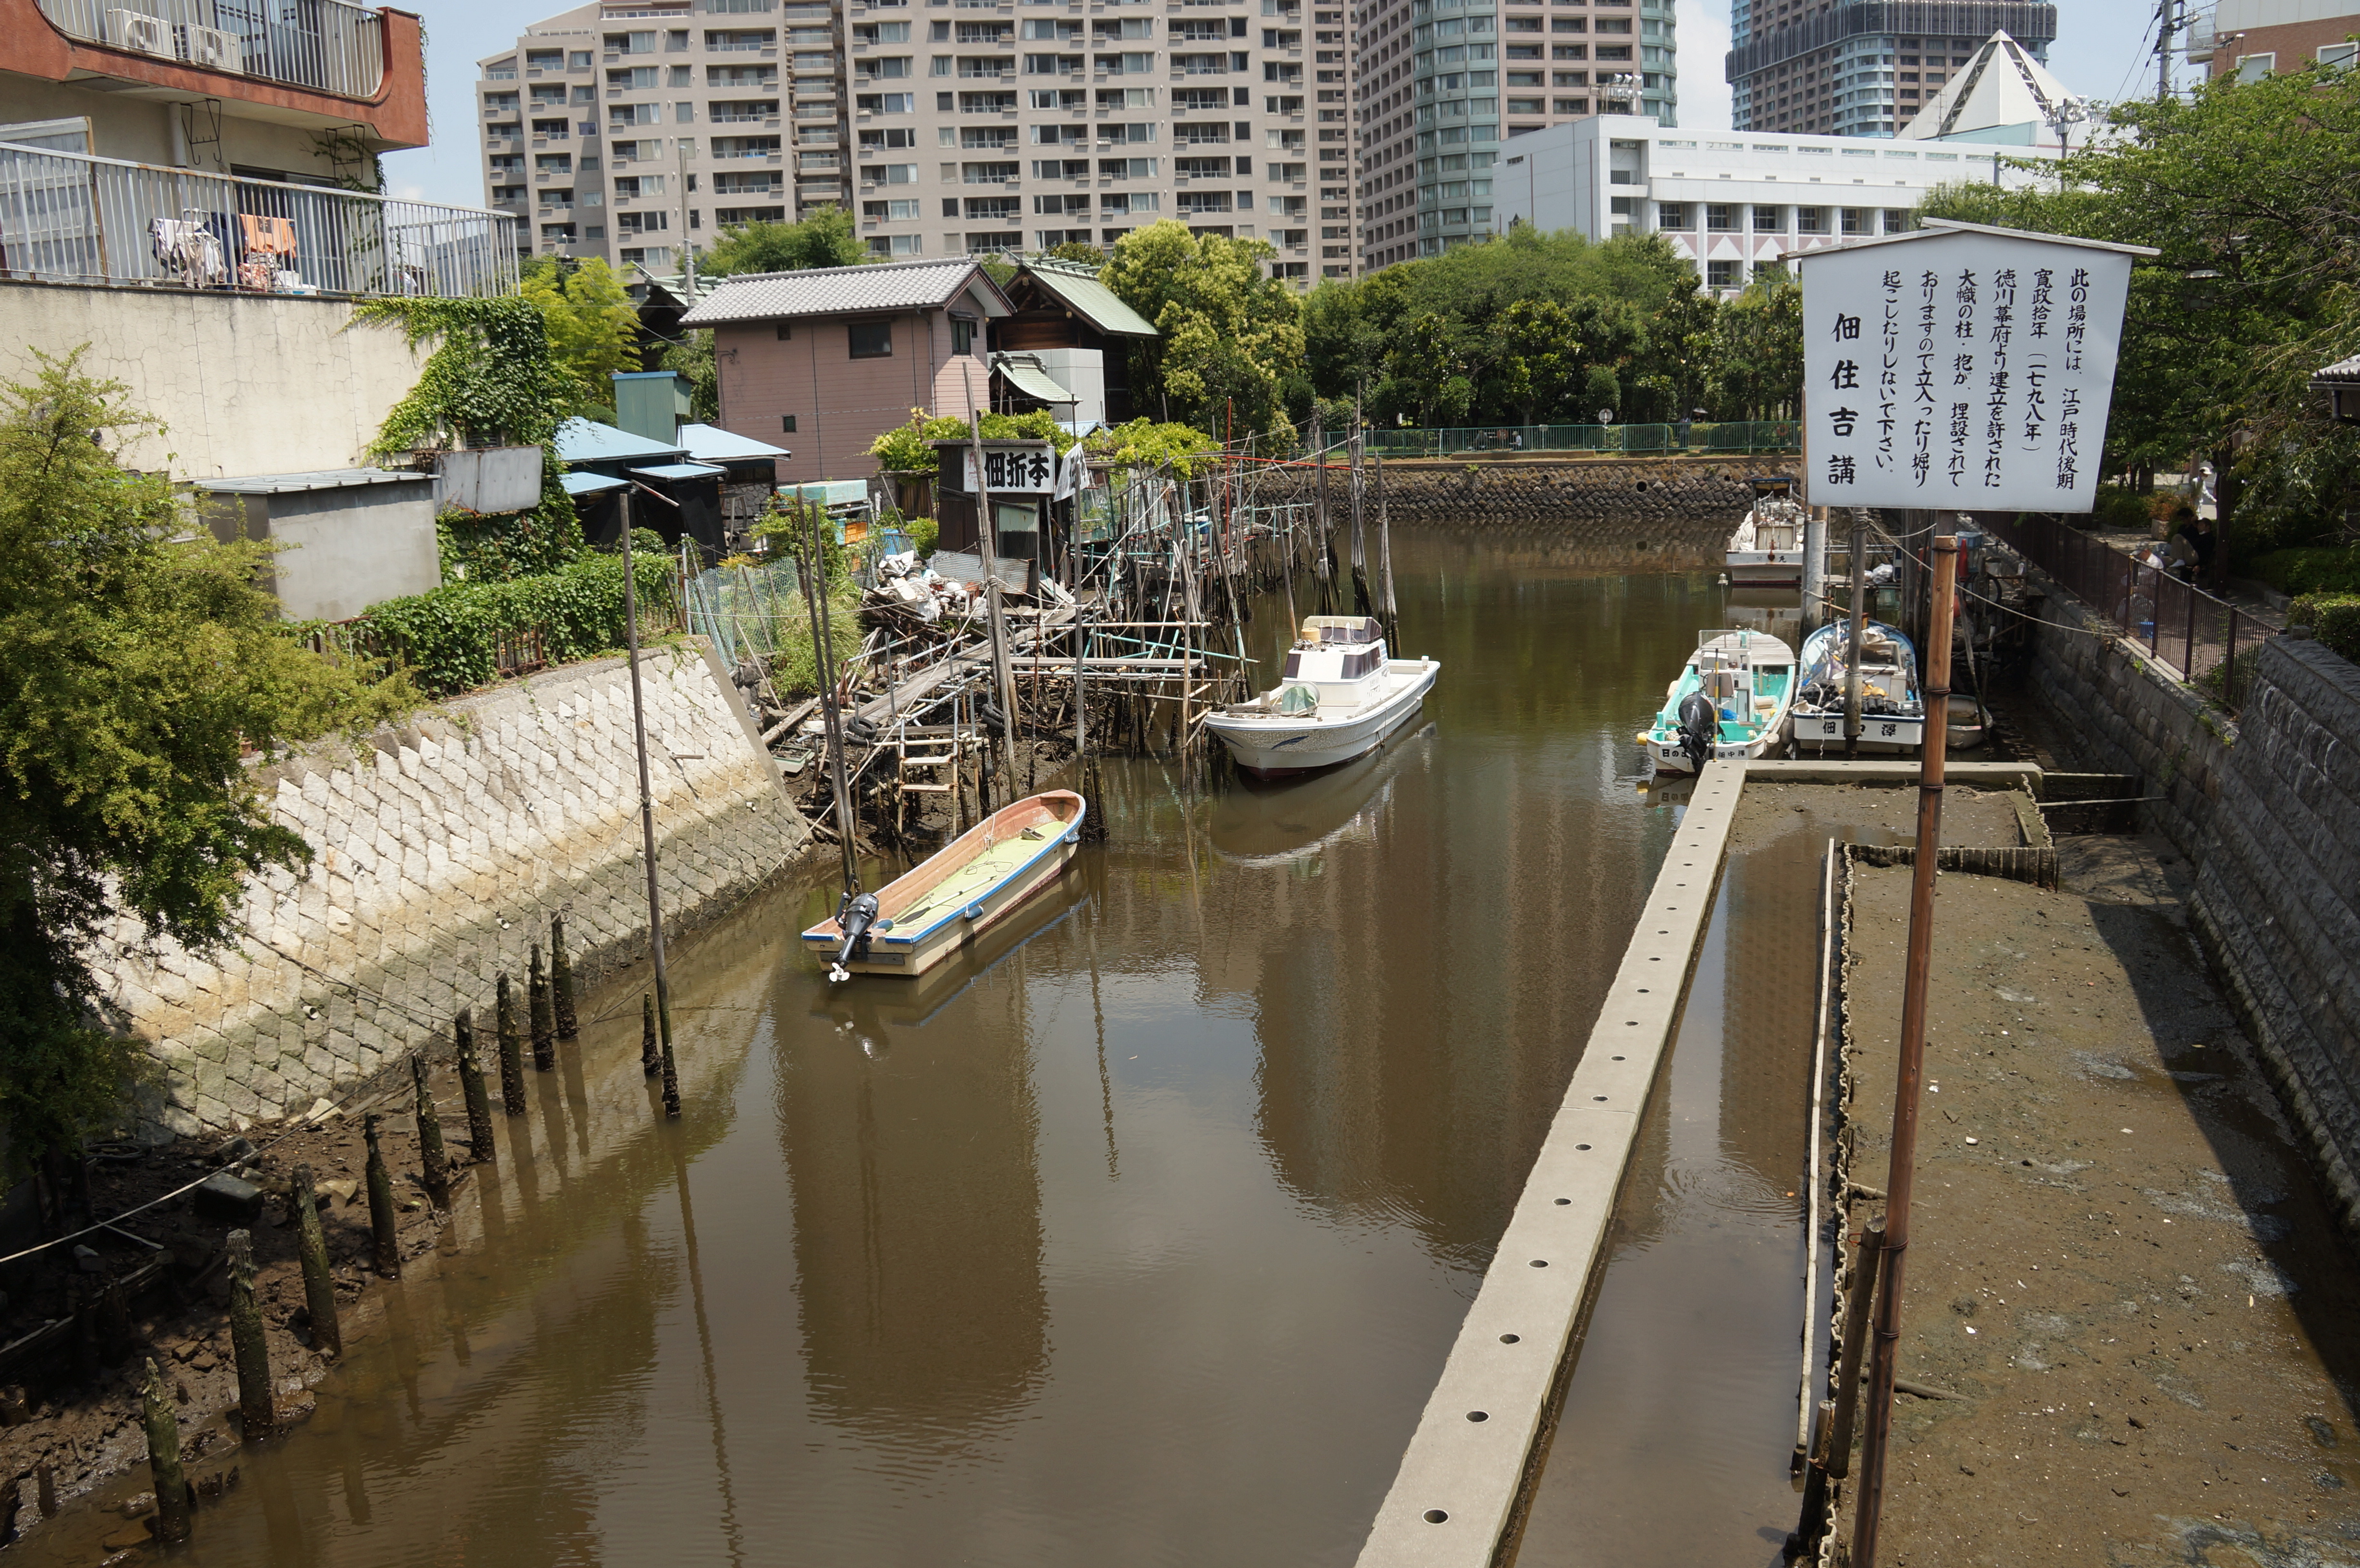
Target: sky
(2102, 52)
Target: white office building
(1733, 201)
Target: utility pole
(1901, 1175)
(2171, 16)
(647, 791)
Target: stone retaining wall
(1663, 487)
(2133, 715)
(2277, 893)
(441, 850)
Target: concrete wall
(347, 548)
(441, 851)
(2277, 893)
(244, 384)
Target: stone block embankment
(2277, 893)
(1417, 489)
(2129, 714)
(440, 851)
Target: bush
(2317, 570)
(449, 638)
(925, 533)
(2123, 510)
(2333, 619)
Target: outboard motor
(857, 916)
(1700, 727)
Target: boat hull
(1765, 568)
(1672, 759)
(1279, 746)
(913, 948)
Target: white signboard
(1030, 471)
(1960, 369)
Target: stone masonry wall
(2277, 893)
(1497, 488)
(2133, 715)
(441, 850)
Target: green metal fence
(1730, 436)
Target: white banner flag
(1961, 368)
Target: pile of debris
(947, 591)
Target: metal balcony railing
(325, 45)
(68, 217)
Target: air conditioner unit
(216, 49)
(138, 30)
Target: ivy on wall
(493, 376)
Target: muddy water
(1137, 1239)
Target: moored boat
(1339, 696)
(1892, 709)
(940, 906)
(1766, 551)
(1731, 701)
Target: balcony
(325, 45)
(70, 218)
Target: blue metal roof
(590, 484)
(679, 471)
(586, 440)
(710, 443)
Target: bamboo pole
(1859, 564)
(1360, 535)
(1901, 1176)
(647, 805)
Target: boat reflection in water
(1260, 824)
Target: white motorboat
(1340, 696)
(1766, 551)
(1731, 700)
(1892, 710)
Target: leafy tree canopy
(593, 328)
(1231, 336)
(137, 662)
(825, 239)
(2251, 192)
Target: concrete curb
(1456, 1491)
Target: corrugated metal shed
(846, 291)
(1078, 286)
(679, 471)
(1025, 373)
(490, 479)
(591, 483)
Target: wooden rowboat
(939, 906)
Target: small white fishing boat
(933, 911)
(1766, 551)
(1340, 696)
(1731, 700)
(1892, 709)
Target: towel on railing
(267, 236)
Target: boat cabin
(1335, 654)
(1746, 677)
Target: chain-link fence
(1722, 438)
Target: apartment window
(962, 336)
(786, 424)
(1719, 218)
(1897, 220)
(1769, 221)
(870, 339)
(1855, 221)
(2253, 67)
(1677, 216)
(1721, 274)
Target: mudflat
(2119, 1262)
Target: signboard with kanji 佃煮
(1961, 368)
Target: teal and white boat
(1731, 701)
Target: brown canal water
(1140, 1237)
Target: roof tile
(840, 290)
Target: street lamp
(2062, 116)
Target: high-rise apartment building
(1442, 82)
(624, 129)
(1861, 68)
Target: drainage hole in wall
(1479, 1415)
(1581, 1146)
(1540, 1262)
(1434, 1516)
(1600, 1098)
(1563, 1201)
(1510, 1338)
(1619, 1059)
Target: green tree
(2251, 193)
(137, 662)
(1230, 334)
(827, 238)
(1756, 370)
(1077, 250)
(593, 331)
